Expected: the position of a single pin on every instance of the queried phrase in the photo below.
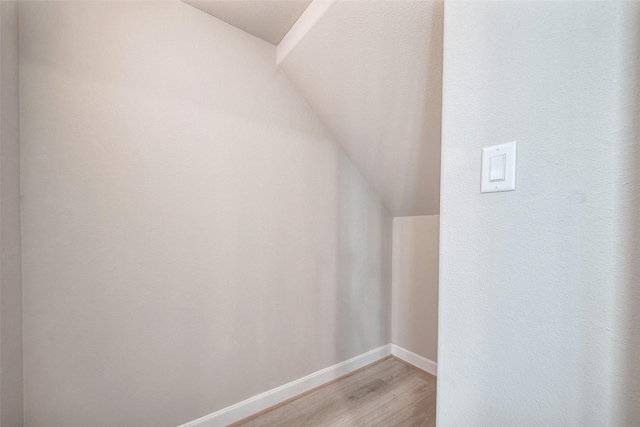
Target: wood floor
(389, 393)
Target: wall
(10, 247)
(182, 204)
(414, 305)
(538, 288)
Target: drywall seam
(251, 406)
(414, 359)
(302, 26)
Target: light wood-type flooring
(389, 393)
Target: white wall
(539, 293)
(192, 234)
(10, 249)
(414, 306)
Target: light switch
(498, 168)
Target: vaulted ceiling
(268, 20)
(372, 71)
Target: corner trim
(414, 359)
(266, 400)
(301, 27)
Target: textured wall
(182, 204)
(10, 248)
(414, 307)
(539, 293)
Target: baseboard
(285, 392)
(415, 359)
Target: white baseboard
(251, 406)
(415, 359)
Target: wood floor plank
(391, 407)
(278, 417)
(389, 393)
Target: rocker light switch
(498, 168)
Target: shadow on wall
(431, 125)
(363, 263)
(629, 228)
(358, 304)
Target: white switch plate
(493, 159)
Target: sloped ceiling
(372, 71)
(267, 19)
